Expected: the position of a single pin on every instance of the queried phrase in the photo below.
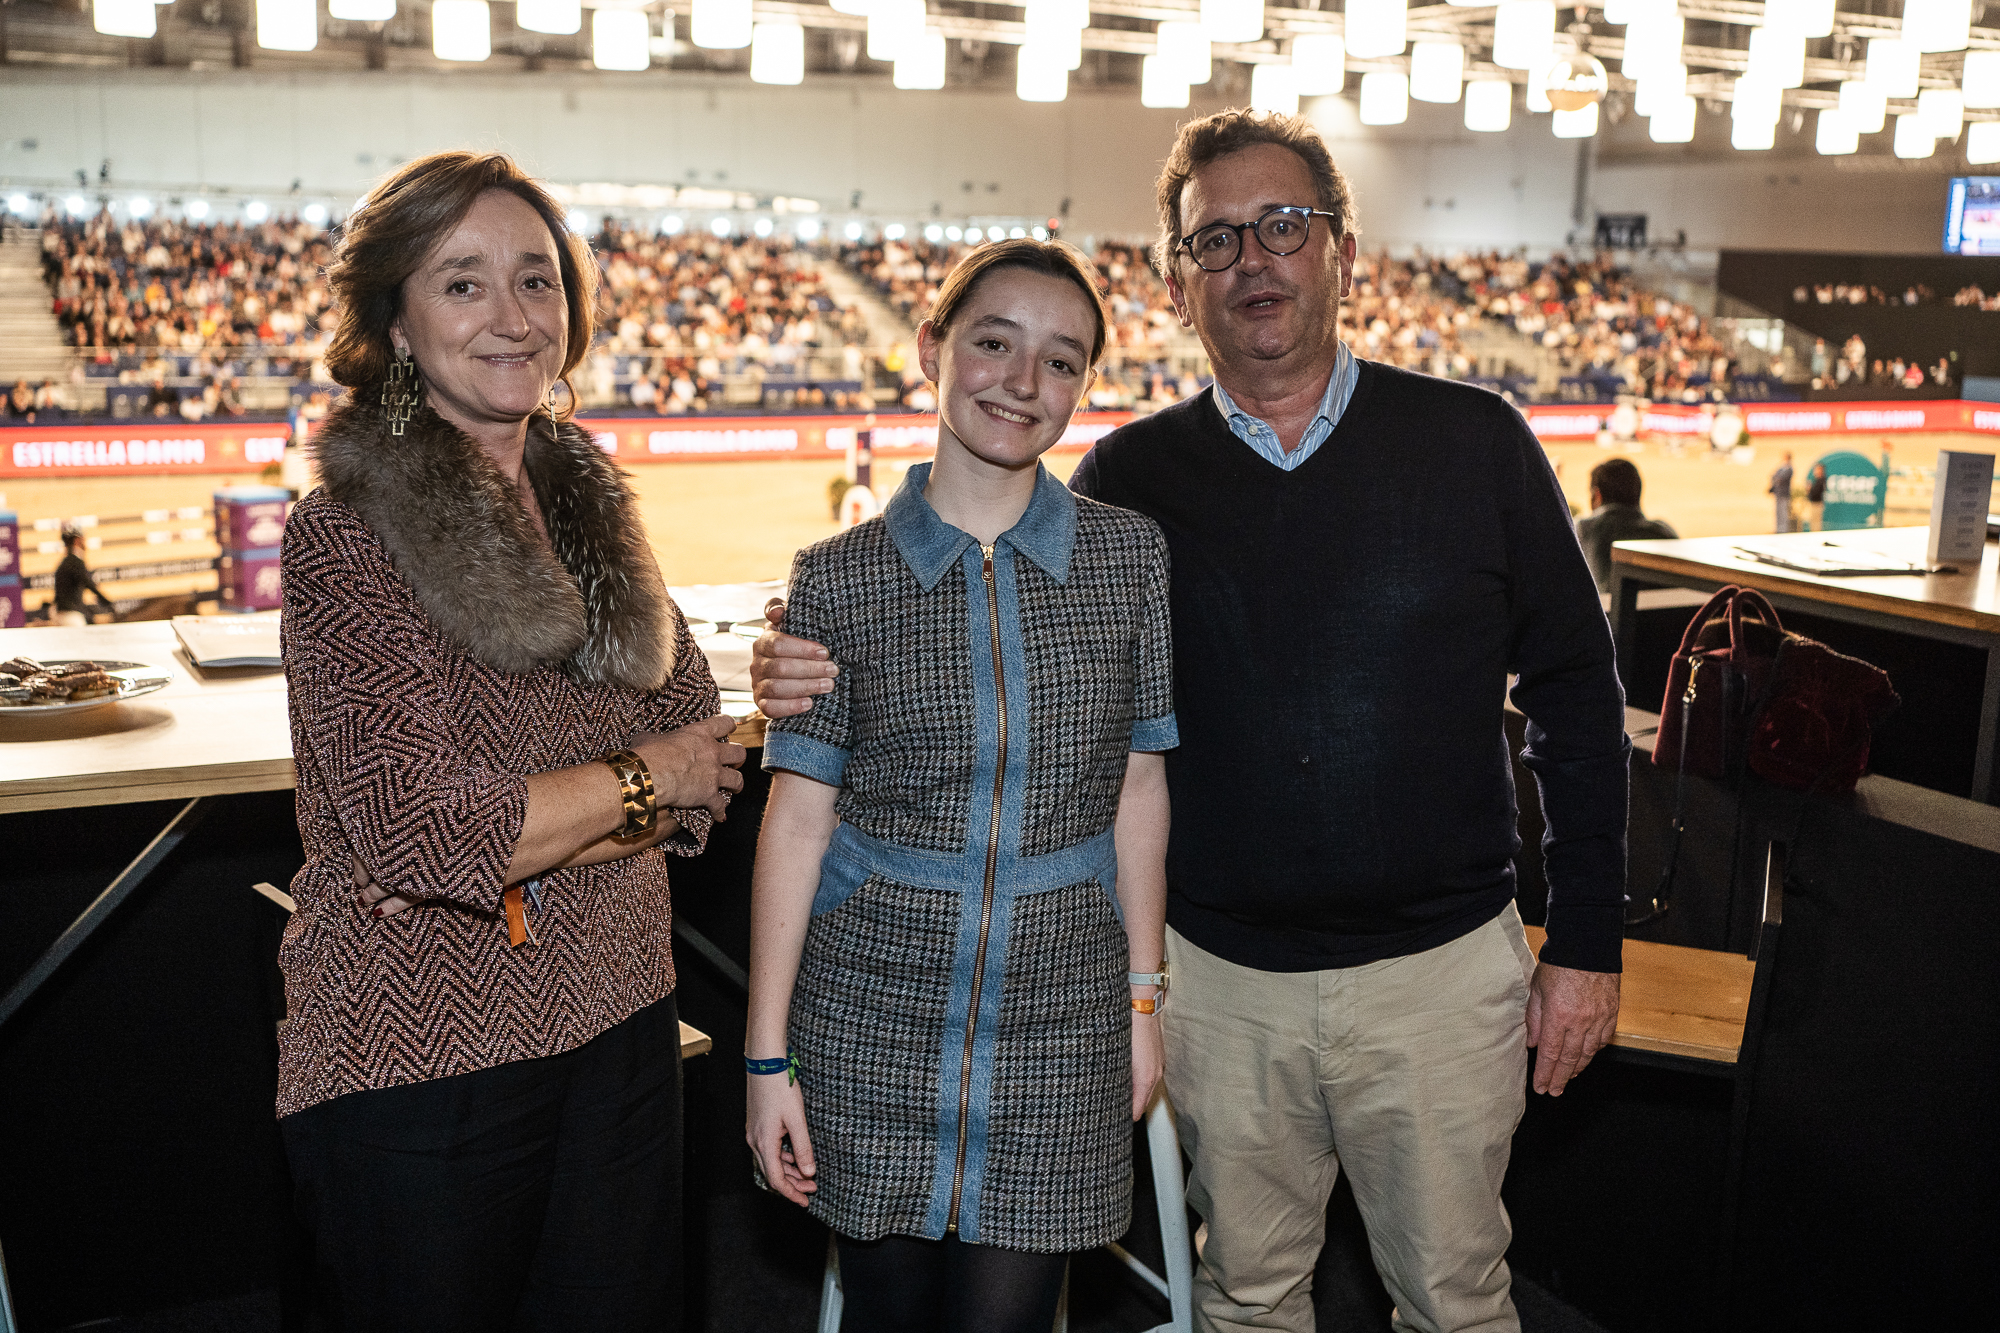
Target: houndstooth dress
(961, 1010)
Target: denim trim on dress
(1155, 734)
(794, 753)
(1045, 533)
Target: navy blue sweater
(1343, 635)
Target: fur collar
(597, 607)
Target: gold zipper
(986, 903)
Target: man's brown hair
(1201, 142)
(401, 221)
(1057, 259)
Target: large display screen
(1972, 216)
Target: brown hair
(399, 223)
(1057, 259)
(1617, 481)
(1201, 142)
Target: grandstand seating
(229, 316)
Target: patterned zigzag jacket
(961, 1010)
(437, 652)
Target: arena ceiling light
(922, 70)
(362, 11)
(723, 25)
(315, 214)
(1752, 136)
(808, 229)
(76, 205)
(461, 30)
(196, 209)
(1942, 112)
(1863, 106)
(1892, 67)
(1653, 38)
(621, 39)
(1663, 84)
(139, 206)
(1437, 71)
(259, 211)
(1755, 103)
(1834, 136)
(894, 27)
(1937, 25)
(1385, 97)
(558, 18)
(778, 52)
(1234, 20)
(1980, 81)
(1377, 28)
(1673, 122)
(1274, 87)
(1578, 124)
(1777, 57)
(287, 25)
(1041, 73)
(1537, 96)
(1489, 105)
(1982, 142)
(1524, 33)
(1159, 84)
(1807, 18)
(1912, 140)
(19, 204)
(1184, 48)
(124, 18)
(1319, 60)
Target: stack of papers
(230, 641)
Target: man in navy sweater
(1361, 559)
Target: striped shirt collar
(1258, 434)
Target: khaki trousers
(1410, 1073)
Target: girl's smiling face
(1011, 367)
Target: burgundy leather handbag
(1746, 692)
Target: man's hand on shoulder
(785, 672)
(1571, 1017)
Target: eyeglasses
(1282, 231)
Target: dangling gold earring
(402, 391)
(551, 405)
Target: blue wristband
(788, 1065)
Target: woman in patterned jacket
(958, 912)
(500, 723)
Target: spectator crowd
(183, 313)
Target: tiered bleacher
(684, 318)
(194, 320)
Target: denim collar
(1046, 533)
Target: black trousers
(540, 1194)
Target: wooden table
(1961, 607)
(206, 734)
(1674, 1001)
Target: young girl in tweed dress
(958, 914)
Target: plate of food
(72, 685)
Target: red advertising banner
(133, 448)
(158, 446)
(1583, 421)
